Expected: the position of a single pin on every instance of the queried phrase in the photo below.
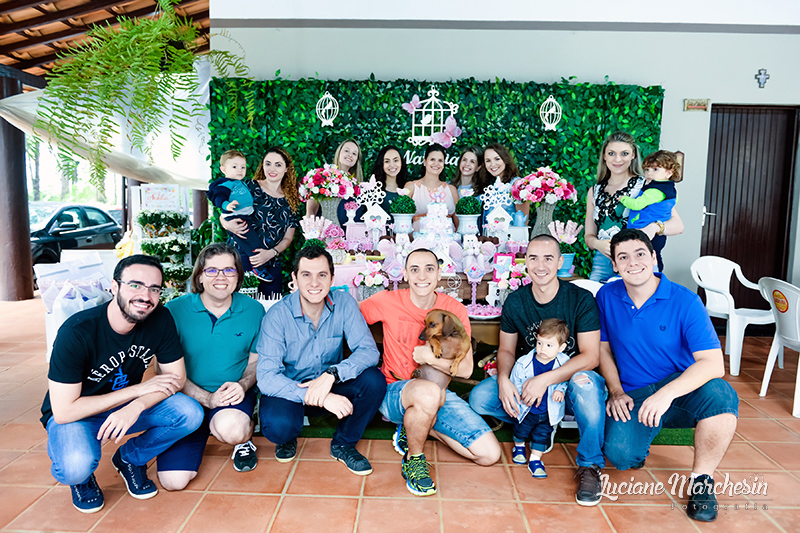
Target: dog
(448, 339)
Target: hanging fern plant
(134, 75)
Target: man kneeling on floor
(662, 363)
(218, 328)
(300, 366)
(419, 406)
(96, 392)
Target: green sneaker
(400, 441)
(417, 475)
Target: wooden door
(749, 188)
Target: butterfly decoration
(411, 106)
(447, 136)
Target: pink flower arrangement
(544, 185)
(333, 232)
(371, 276)
(328, 182)
(352, 205)
(516, 277)
(336, 244)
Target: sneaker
(589, 487)
(135, 477)
(417, 475)
(286, 452)
(87, 497)
(639, 465)
(518, 456)
(702, 503)
(262, 274)
(400, 441)
(244, 457)
(536, 468)
(352, 459)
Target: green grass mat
(323, 427)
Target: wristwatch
(661, 227)
(333, 371)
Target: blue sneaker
(536, 468)
(400, 441)
(135, 477)
(417, 475)
(518, 456)
(87, 497)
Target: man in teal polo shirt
(218, 329)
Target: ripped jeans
(586, 400)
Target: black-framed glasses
(229, 272)
(136, 286)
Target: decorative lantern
(327, 109)
(550, 113)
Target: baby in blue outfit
(537, 422)
(232, 195)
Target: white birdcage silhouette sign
(429, 118)
(550, 113)
(327, 109)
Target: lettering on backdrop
(417, 158)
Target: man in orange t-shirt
(418, 406)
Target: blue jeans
(282, 419)
(75, 450)
(628, 442)
(602, 268)
(587, 402)
(537, 428)
(454, 419)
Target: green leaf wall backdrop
(253, 115)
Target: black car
(56, 226)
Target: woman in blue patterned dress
(276, 202)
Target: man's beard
(125, 309)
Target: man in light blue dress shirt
(301, 370)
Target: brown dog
(448, 339)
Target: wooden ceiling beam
(8, 7)
(58, 16)
(52, 58)
(78, 30)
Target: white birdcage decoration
(327, 109)
(429, 118)
(550, 113)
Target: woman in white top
(466, 178)
(499, 163)
(348, 159)
(431, 187)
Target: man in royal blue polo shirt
(662, 363)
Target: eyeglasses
(229, 272)
(136, 286)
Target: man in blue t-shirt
(662, 363)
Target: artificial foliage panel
(252, 116)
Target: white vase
(363, 292)
(338, 256)
(402, 223)
(328, 209)
(468, 224)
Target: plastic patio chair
(784, 300)
(589, 285)
(714, 275)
